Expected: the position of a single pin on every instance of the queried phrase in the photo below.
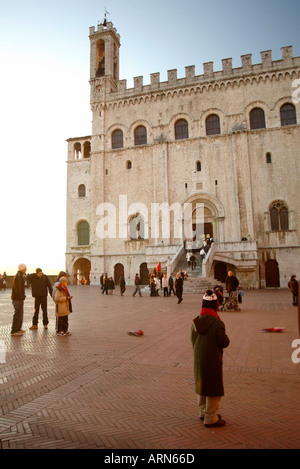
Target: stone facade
(228, 140)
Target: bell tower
(104, 60)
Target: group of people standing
(40, 287)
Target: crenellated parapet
(210, 77)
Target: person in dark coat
(18, 296)
(209, 338)
(122, 285)
(231, 283)
(40, 284)
(293, 286)
(179, 287)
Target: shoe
(202, 417)
(68, 333)
(33, 327)
(218, 423)
(61, 334)
(18, 333)
(45, 326)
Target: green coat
(208, 337)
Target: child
(62, 299)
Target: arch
(279, 215)
(272, 274)
(81, 190)
(257, 118)
(83, 233)
(144, 274)
(77, 151)
(212, 212)
(220, 271)
(181, 129)
(136, 226)
(100, 58)
(140, 135)
(212, 125)
(87, 149)
(81, 270)
(118, 272)
(117, 139)
(288, 114)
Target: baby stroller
(231, 302)
(218, 290)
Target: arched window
(81, 190)
(136, 227)
(83, 233)
(279, 216)
(77, 151)
(288, 114)
(212, 125)
(198, 166)
(128, 164)
(117, 139)
(257, 119)
(268, 157)
(140, 135)
(86, 149)
(181, 129)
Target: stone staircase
(194, 283)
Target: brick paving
(102, 388)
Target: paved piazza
(102, 388)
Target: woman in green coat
(209, 338)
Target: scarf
(209, 312)
(65, 291)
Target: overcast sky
(44, 90)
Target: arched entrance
(221, 271)
(203, 218)
(272, 274)
(118, 272)
(144, 274)
(81, 270)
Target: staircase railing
(172, 264)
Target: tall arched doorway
(203, 218)
(118, 272)
(144, 274)
(81, 270)
(272, 274)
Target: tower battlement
(209, 75)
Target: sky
(44, 90)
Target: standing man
(137, 283)
(179, 287)
(231, 283)
(40, 285)
(18, 296)
(293, 286)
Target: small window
(257, 119)
(198, 166)
(181, 129)
(140, 135)
(128, 164)
(117, 139)
(268, 158)
(83, 233)
(288, 114)
(212, 125)
(81, 190)
(279, 216)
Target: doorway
(272, 274)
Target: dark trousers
(40, 301)
(179, 294)
(62, 323)
(18, 315)
(171, 289)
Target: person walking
(179, 287)
(231, 283)
(18, 297)
(209, 338)
(293, 286)
(111, 285)
(122, 285)
(137, 283)
(165, 285)
(105, 285)
(63, 308)
(40, 285)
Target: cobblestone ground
(103, 388)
